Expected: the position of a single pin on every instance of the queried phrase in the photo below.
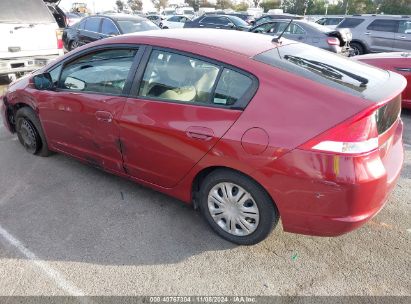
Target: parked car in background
(268, 18)
(30, 37)
(176, 21)
(399, 62)
(185, 10)
(98, 27)
(378, 33)
(330, 21)
(155, 18)
(309, 33)
(244, 128)
(226, 22)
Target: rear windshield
(25, 11)
(325, 67)
(136, 25)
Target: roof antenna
(277, 38)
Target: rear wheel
(237, 208)
(30, 133)
(358, 48)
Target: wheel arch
(203, 173)
(12, 110)
(362, 43)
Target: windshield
(238, 21)
(132, 26)
(325, 67)
(25, 11)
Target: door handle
(367, 33)
(104, 116)
(200, 133)
(403, 37)
(201, 25)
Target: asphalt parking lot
(69, 229)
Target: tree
(160, 3)
(135, 5)
(120, 5)
(224, 4)
(241, 7)
(270, 4)
(398, 7)
(298, 7)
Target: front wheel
(30, 133)
(237, 208)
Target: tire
(358, 48)
(73, 45)
(30, 133)
(261, 214)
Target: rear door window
(350, 22)
(384, 25)
(181, 78)
(292, 29)
(108, 27)
(93, 25)
(176, 77)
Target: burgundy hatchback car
(399, 62)
(246, 129)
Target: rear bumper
(329, 195)
(24, 64)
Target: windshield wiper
(327, 69)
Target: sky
(100, 5)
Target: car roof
(243, 43)
(120, 17)
(377, 16)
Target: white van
(30, 36)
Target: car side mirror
(231, 25)
(74, 84)
(43, 82)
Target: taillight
(333, 41)
(59, 37)
(356, 135)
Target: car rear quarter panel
(291, 110)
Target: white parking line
(52, 273)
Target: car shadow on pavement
(61, 209)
